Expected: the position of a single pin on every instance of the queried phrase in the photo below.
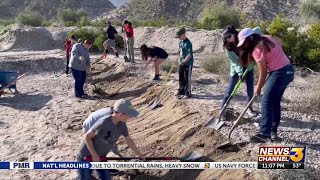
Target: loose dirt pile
(33, 38)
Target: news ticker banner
(142, 165)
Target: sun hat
(243, 34)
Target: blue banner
(4, 165)
(62, 165)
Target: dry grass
(167, 64)
(217, 64)
(307, 100)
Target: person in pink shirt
(267, 52)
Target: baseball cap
(229, 30)
(125, 106)
(180, 32)
(243, 34)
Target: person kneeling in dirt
(186, 64)
(157, 56)
(230, 42)
(103, 135)
(111, 41)
(267, 52)
(79, 63)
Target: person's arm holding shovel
(89, 142)
(134, 148)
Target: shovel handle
(240, 117)
(102, 158)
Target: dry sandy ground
(43, 122)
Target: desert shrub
(4, 22)
(219, 16)
(120, 41)
(84, 21)
(98, 42)
(30, 18)
(217, 64)
(310, 9)
(71, 17)
(166, 66)
(97, 36)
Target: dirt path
(43, 123)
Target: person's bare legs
(156, 64)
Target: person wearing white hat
(267, 52)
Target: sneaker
(156, 78)
(114, 172)
(179, 94)
(117, 55)
(186, 97)
(251, 113)
(106, 51)
(275, 137)
(259, 138)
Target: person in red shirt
(68, 45)
(129, 38)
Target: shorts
(110, 42)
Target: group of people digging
(245, 50)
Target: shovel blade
(155, 104)
(215, 123)
(225, 145)
(192, 156)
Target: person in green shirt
(230, 42)
(186, 64)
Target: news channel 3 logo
(297, 154)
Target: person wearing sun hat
(230, 41)
(267, 52)
(103, 134)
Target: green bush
(84, 21)
(71, 17)
(120, 41)
(4, 22)
(97, 36)
(30, 18)
(219, 16)
(98, 42)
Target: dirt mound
(203, 41)
(33, 39)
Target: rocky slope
(48, 8)
(191, 9)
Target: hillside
(119, 3)
(191, 9)
(9, 9)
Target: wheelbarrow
(8, 80)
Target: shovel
(229, 143)
(217, 123)
(155, 103)
(189, 157)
